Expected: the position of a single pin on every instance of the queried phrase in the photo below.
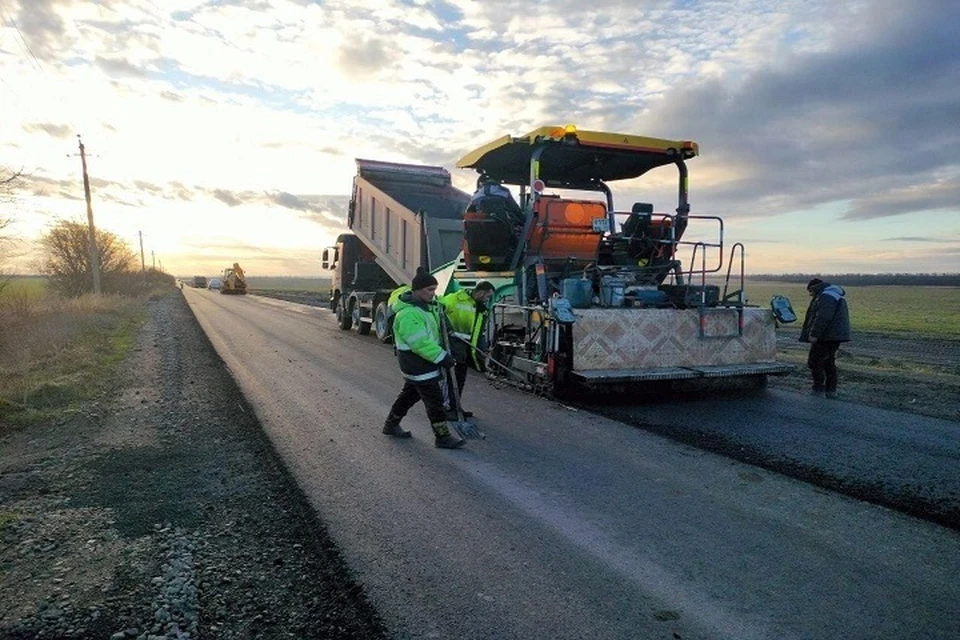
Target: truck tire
(344, 316)
(363, 328)
(382, 324)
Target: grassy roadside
(56, 352)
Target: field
(920, 311)
(28, 287)
(289, 284)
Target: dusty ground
(162, 511)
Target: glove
(448, 362)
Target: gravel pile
(163, 512)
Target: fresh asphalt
(568, 524)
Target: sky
(226, 131)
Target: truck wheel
(381, 323)
(363, 328)
(344, 316)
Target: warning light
(538, 186)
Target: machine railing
(725, 303)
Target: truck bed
(407, 215)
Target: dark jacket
(827, 316)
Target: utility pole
(153, 257)
(143, 265)
(91, 229)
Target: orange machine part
(564, 229)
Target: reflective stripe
(416, 336)
(422, 376)
(462, 336)
(441, 356)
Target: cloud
(364, 56)
(921, 196)
(53, 130)
(868, 119)
(936, 240)
(42, 28)
(243, 106)
(119, 67)
(227, 197)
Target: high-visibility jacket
(466, 323)
(395, 297)
(417, 338)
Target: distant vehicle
(200, 282)
(214, 284)
(233, 280)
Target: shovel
(463, 427)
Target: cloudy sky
(226, 130)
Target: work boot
(392, 428)
(444, 439)
(820, 393)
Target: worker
(826, 325)
(492, 197)
(466, 312)
(421, 355)
(392, 301)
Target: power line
(22, 43)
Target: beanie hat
(814, 283)
(422, 280)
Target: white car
(215, 283)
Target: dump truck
(401, 216)
(602, 296)
(234, 280)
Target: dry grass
(56, 351)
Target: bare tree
(67, 260)
(10, 183)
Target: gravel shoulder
(162, 511)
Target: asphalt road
(568, 524)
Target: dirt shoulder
(911, 374)
(162, 511)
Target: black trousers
(823, 365)
(427, 390)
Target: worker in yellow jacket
(466, 312)
(421, 355)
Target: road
(568, 524)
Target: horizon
(227, 132)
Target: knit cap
(422, 280)
(814, 283)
